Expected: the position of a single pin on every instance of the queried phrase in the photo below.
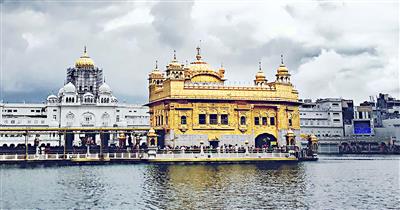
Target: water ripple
(331, 183)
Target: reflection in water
(326, 184)
(85, 187)
(224, 186)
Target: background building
(323, 118)
(92, 104)
(363, 122)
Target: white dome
(104, 88)
(61, 91)
(88, 94)
(51, 97)
(69, 88)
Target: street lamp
(26, 144)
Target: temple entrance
(105, 138)
(161, 138)
(69, 139)
(265, 139)
(214, 144)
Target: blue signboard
(362, 127)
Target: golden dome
(313, 138)
(198, 64)
(200, 71)
(156, 73)
(151, 133)
(84, 61)
(174, 63)
(282, 69)
(290, 133)
(260, 74)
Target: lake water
(333, 182)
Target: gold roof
(84, 61)
(156, 72)
(260, 74)
(290, 133)
(201, 71)
(152, 132)
(282, 69)
(198, 64)
(314, 138)
(174, 63)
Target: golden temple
(191, 105)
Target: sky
(343, 49)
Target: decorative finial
(174, 54)
(222, 65)
(187, 63)
(104, 79)
(259, 65)
(84, 49)
(281, 59)
(156, 64)
(198, 56)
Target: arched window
(242, 120)
(183, 120)
(272, 120)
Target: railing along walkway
(143, 154)
(22, 157)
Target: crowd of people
(364, 147)
(227, 148)
(113, 148)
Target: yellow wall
(173, 111)
(207, 94)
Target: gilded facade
(191, 103)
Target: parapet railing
(222, 155)
(22, 157)
(140, 154)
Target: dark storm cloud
(173, 22)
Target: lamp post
(201, 147)
(26, 144)
(65, 144)
(101, 144)
(247, 146)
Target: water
(333, 182)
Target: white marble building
(323, 118)
(91, 105)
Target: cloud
(335, 75)
(332, 49)
(172, 22)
